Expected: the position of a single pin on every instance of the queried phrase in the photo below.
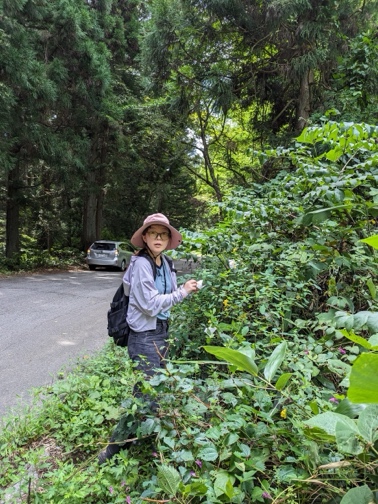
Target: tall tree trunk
(12, 228)
(211, 177)
(90, 211)
(101, 181)
(304, 100)
(99, 213)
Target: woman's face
(157, 238)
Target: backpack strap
(170, 263)
(144, 253)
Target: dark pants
(148, 349)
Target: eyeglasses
(164, 235)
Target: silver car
(109, 253)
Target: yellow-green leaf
(238, 359)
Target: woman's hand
(190, 286)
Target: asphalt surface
(47, 322)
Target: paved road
(47, 321)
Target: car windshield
(103, 246)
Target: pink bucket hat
(161, 219)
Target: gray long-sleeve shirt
(145, 302)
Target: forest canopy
(120, 109)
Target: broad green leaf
(334, 154)
(231, 439)
(240, 466)
(347, 437)
(337, 366)
(308, 135)
(194, 488)
(275, 360)
(371, 240)
(360, 319)
(112, 413)
(368, 423)
(363, 386)
(244, 330)
(168, 479)
(356, 339)
(257, 494)
(225, 454)
(241, 361)
(319, 435)
(169, 441)
(230, 491)
(314, 407)
(344, 319)
(224, 484)
(183, 456)
(214, 433)
(359, 495)
(208, 453)
(282, 380)
(288, 473)
(98, 419)
(328, 421)
(373, 340)
(372, 322)
(349, 409)
(245, 450)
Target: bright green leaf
(364, 379)
(241, 361)
(356, 339)
(371, 240)
(224, 484)
(282, 380)
(372, 288)
(275, 361)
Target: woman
(151, 299)
(152, 290)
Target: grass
(47, 443)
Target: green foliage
(361, 495)
(288, 314)
(354, 87)
(83, 149)
(32, 258)
(288, 261)
(53, 439)
(363, 380)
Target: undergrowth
(254, 404)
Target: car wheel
(123, 265)
(91, 267)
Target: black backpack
(118, 328)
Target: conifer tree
(277, 55)
(26, 92)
